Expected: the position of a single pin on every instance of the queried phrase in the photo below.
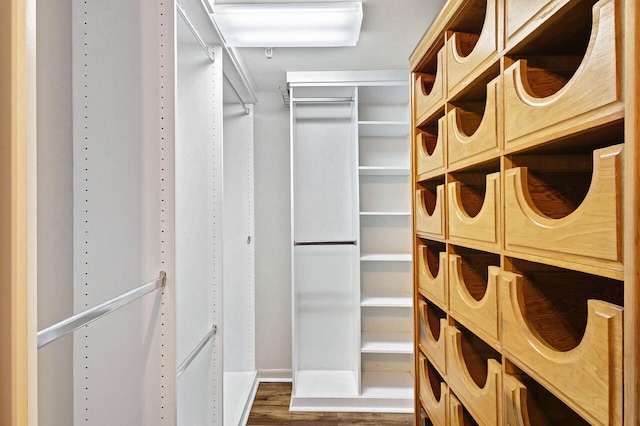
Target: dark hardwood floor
(271, 407)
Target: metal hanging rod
(235, 92)
(194, 31)
(76, 321)
(326, 243)
(194, 353)
(322, 100)
(231, 52)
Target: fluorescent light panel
(290, 24)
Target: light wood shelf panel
(523, 16)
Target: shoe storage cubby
(430, 141)
(433, 392)
(564, 328)
(431, 264)
(458, 415)
(472, 43)
(473, 207)
(526, 402)
(472, 125)
(473, 291)
(429, 85)
(433, 323)
(430, 210)
(548, 93)
(475, 374)
(566, 206)
(524, 16)
(529, 272)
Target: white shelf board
(387, 343)
(383, 170)
(391, 385)
(400, 301)
(383, 123)
(386, 257)
(383, 128)
(385, 213)
(238, 389)
(325, 383)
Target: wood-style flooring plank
(271, 407)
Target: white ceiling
(390, 31)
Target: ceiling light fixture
(290, 24)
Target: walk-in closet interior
(439, 220)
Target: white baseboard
(275, 375)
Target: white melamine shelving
(386, 257)
(402, 300)
(391, 343)
(385, 250)
(385, 213)
(382, 170)
(390, 385)
(352, 304)
(383, 128)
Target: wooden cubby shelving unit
(524, 211)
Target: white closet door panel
(324, 187)
(325, 287)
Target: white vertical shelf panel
(384, 155)
(117, 127)
(55, 207)
(238, 333)
(199, 229)
(194, 390)
(238, 288)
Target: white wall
(273, 236)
